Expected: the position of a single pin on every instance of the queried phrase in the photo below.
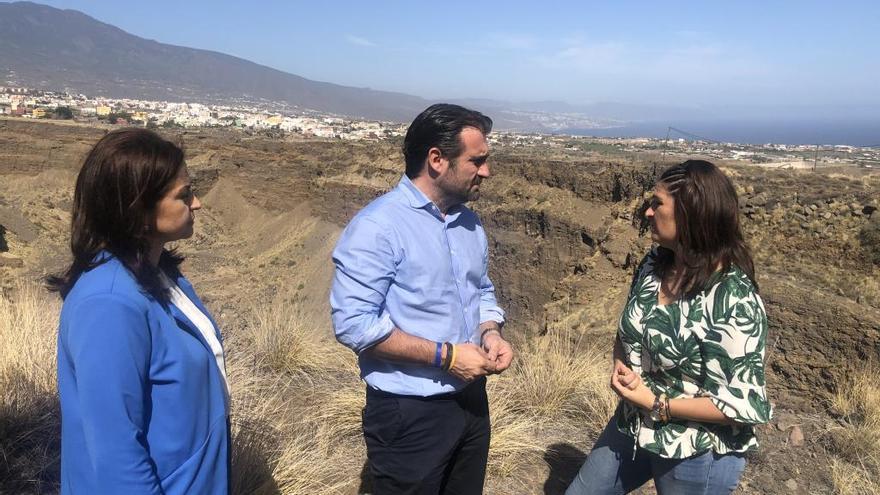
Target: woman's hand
(627, 377)
(628, 385)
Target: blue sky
(662, 53)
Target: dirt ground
(564, 240)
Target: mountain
(48, 48)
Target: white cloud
(357, 40)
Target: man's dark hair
(439, 126)
(707, 225)
(122, 179)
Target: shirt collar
(417, 198)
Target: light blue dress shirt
(400, 263)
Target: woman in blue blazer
(141, 375)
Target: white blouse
(200, 320)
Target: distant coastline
(823, 132)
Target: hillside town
(35, 104)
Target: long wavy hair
(120, 183)
(707, 226)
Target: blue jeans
(610, 470)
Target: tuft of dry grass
(337, 414)
(301, 469)
(278, 446)
(848, 479)
(28, 329)
(283, 340)
(554, 378)
(552, 381)
(857, 445)
(29, 411)
(513, 442)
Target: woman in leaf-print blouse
(689, 352)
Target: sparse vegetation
(29, 415)
(272, 212)
(114, 117)
(63, 113)
(554, 378)
(296, 401)
(857, 444)
(283, 342)
(869, 237)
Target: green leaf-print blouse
(712, 346)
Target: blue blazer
(143, 404)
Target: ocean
(845, 132)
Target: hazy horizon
(680, 59)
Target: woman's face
(174, 217)
(661, 216)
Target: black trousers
(428, 445)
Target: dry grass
(853, 480)
(552, 383)
(857, 445)
(29, 316)
(29, 413)
(297, 401)
(337, 413)
(554, 378)
(514, 441)
(283, 340)
(301, 469)
(277, 446)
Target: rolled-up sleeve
(109, 345)
(364, 260)
(489, 309)
(733, 355)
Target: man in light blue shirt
(412, 296)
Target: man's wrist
(489, 332)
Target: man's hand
(471, 362)
(498, 350)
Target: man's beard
(473, 194)
(454, 195)
(457, 197)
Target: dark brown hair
(439, 126)
(121, 180)
(707, 226)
